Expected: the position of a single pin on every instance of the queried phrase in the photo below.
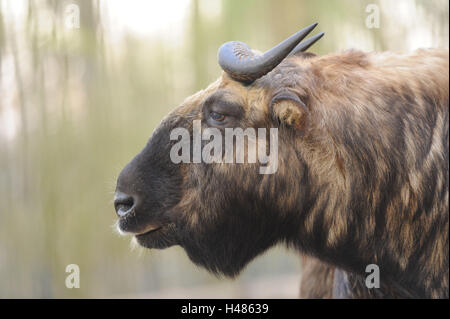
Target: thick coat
(362, 173)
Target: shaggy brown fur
(391, 151)
(362, 174)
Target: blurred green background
(76, 104)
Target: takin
(362, 170)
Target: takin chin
(361, 170)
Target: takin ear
(287, 107)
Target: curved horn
(305, 45)
(243, 65)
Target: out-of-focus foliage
(77, 103)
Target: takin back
(362, 170)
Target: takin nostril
(123, 204)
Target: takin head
(222, 214)
(344, 123)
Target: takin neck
(376, 175)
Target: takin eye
(217, 117)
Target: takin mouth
(149, 232)
(159, 238)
